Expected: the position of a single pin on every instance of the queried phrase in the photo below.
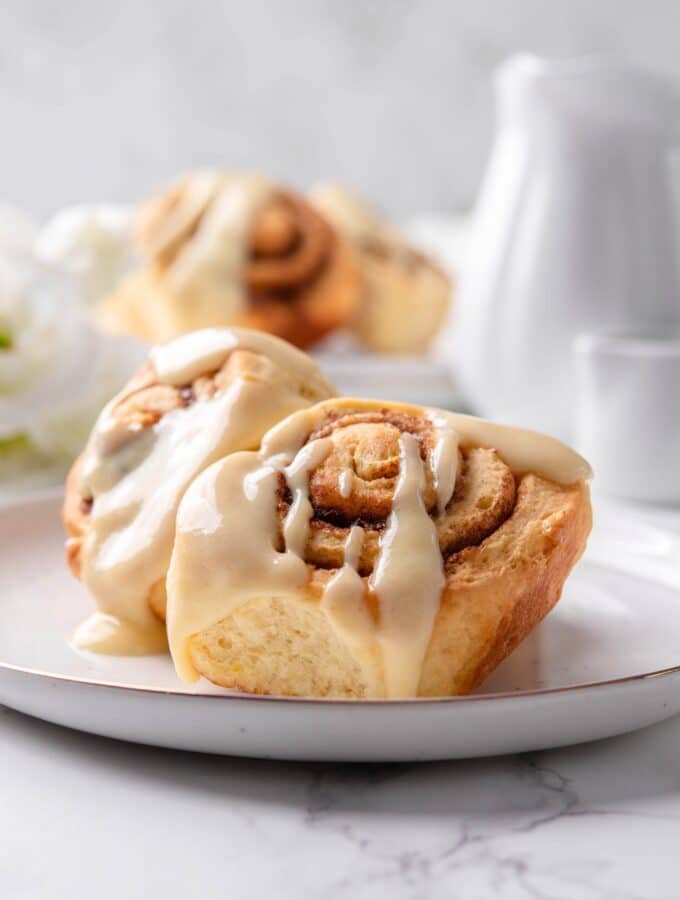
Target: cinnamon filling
(289, 243)
(355, 484)
(286, 242)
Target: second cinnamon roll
(199, 397)
(235, 249)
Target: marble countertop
(85, 816)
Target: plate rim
(56, 492)
(346, 701)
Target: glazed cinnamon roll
(199, 397)
(225, 250)
(405, 296)
(373, 550)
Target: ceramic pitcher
(575, 230)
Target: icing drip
(346, 483)
(444, 460)
(344, 603)
(408, 577)
(102, 633)
(296, 526)
(344, 596)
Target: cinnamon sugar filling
(365, 460)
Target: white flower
(56, 370)
(91, 243)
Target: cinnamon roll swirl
(373, 550)
(225, 250)
(404, 296)
(199, 397)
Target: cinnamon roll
(405, 296)
(225, 250)
(372, 550)
(199, 397)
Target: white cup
(627, 412)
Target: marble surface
(84, 816)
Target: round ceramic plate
(606, 661)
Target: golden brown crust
(497, 592)
(300, 280)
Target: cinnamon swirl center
(355, 484)
(289, 243)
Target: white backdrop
(105, 100)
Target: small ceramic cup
(627, 412)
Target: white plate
(606, 661)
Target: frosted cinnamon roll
(199, 397)
(405, 296)
(225, 250)
(372, 550)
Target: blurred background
(103, 105)
(104, 101)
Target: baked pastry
(199, 397)
(225, 250)
(405, 295)
(372, 550)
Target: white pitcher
(575, 230)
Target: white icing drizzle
(180, 361)
(523, 450)
(345, 483)
(344, 603)
(352, 548)
(344, 596)
(137, 478)
(206, 277)
(296, 526)
(444, 459)
(408, 577)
